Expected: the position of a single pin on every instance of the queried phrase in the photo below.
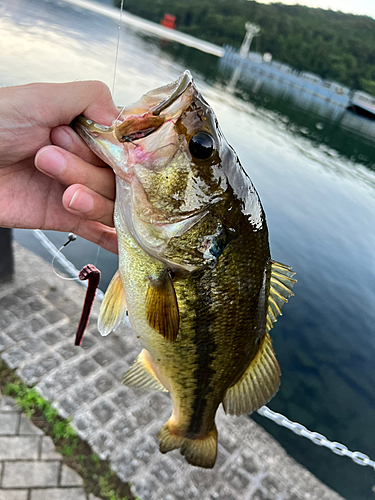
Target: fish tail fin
(200, 451)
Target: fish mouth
(136, 121)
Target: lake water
(316, 180)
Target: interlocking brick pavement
(30, 467)
(38, 318)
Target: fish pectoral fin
(113, 309)
(258, 384)
(200, 452)
(142, 376)
(162, 307)
(281, 286)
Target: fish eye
(201, 145)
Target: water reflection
(316, 182)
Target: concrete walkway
(30, 467)
(39, 313)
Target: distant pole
(251, 31)
(6, 255)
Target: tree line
(334, 45)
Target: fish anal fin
(113, 309)
(281, 285)
(258, 384)
(200, 452)
(142, 376)
(162, 307)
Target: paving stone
(33, 346)
(58, 494)
(48, 450)
(247, 460)
(69, 477)
(66, 377)
(49, 362)
(24, 293)
(13, 356)
(68, 307)
(86, 393)
(37, 323)
(87, 342)
(86, 367)
(30, 474)
(221, 493)
(259, 495)
(27, 428)
(19, 333)
(123, 398)
(6, 319)
(53, 316)
(104, 358)
(9, 404)
(67, 406)
(236, 477)
(143, 416)
(36, 305)
(118, 369)
(126, 466)
(4, 342)
(103, 445)
(164, 471)
(14, 494)
(9, 301)
(68, 330)
(148, 489)
(19, 447)
(103, 383)
(273, 486)
(85, 425)
(32, 373)
(123, 428)
(67, 351)
(103, 411)
(51, 337)
(8, 423)
(145, 449)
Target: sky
(366, 7)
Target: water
(317, 184)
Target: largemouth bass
(195, 273)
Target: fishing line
(118, 45)
(71, 237)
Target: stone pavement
(39, 313)
(30, 467)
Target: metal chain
(338, 448)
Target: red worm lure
(91, 273)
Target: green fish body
(195, 273)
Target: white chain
(338, 448)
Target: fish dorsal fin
(113, 309)
(142, 376)
(258, 384)
(162, 307)
(281, 286)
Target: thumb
(92, 99)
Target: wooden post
(6, 255)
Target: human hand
(49, 179)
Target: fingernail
(50, 161)
(81, 201)
(61, 138)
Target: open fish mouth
(136, 121)
(134, 126)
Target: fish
(195, 276)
